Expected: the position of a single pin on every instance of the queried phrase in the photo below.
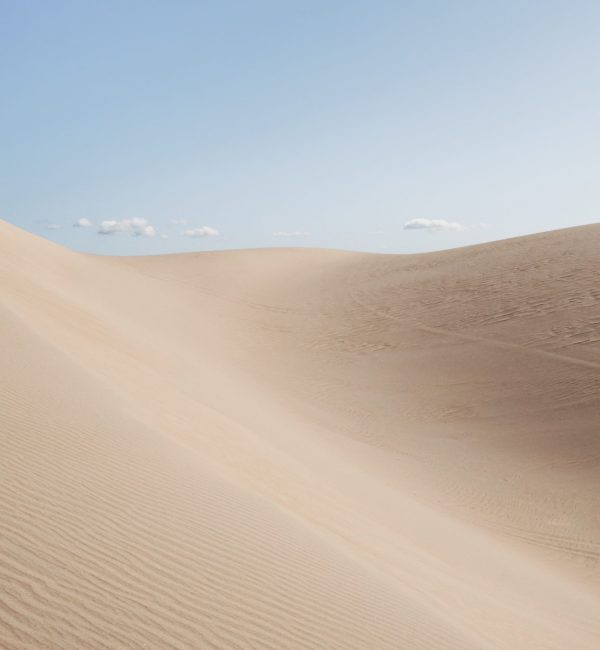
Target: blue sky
(297, 123)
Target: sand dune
(301, 448)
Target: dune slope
(301, 448)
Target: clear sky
(313, 123)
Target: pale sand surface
(301, 448)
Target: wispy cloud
(292, 233)
(433, 225)
(202, 231)
(179, 222)
(137, 227)
(82, 223)
(53, 226)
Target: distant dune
(297, 448)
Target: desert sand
(293, 448)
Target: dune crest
(295, 448)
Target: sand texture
(295, 448)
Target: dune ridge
(296, 448)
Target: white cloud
(432, 224)
(82, 223)
(136, 226)
(163, 236)
(53, 226)
(203, 231)
(292, 233)
(179, 222)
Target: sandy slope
(301, 449)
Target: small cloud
(163, 236)
(293, 233)
(53, 226)
(202, 231)
(137, 227)
(82, 223)
(179, 222)
(432, 225)
(484, 225)
(109, 227)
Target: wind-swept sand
(300, 448)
